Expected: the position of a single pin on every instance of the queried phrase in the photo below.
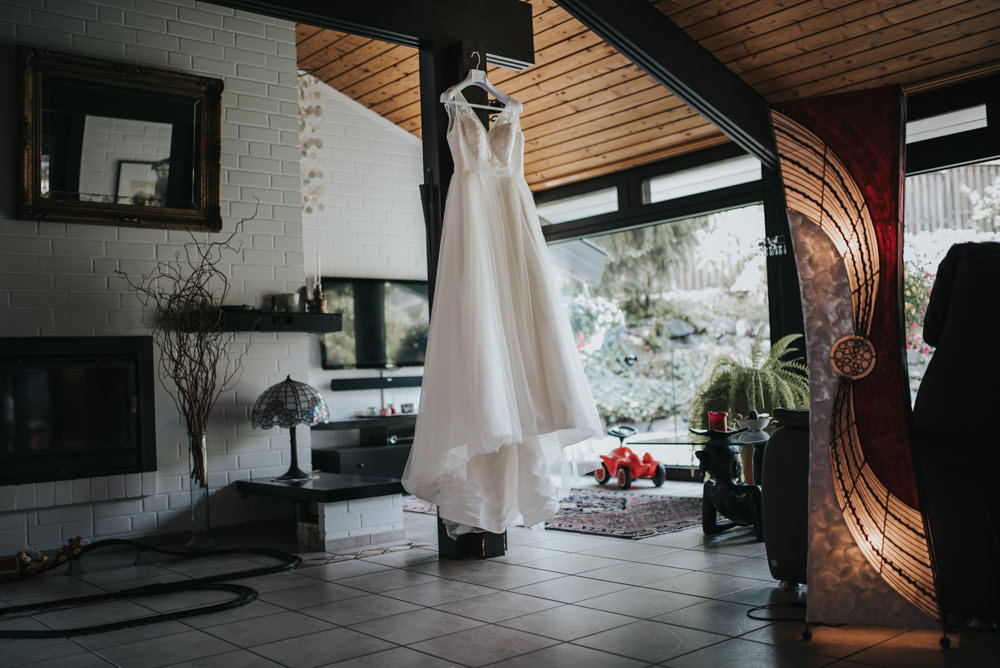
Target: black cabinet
(386, 461)
(382, 447)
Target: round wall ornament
(853, 356)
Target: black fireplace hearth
(75, 407)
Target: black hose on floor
(243, 594)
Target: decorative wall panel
(843, 189)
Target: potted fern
(768, 381)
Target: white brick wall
(58, 279)
(362, 217)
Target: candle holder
(317, 304)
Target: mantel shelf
(280, 321)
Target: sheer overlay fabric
(503, 391)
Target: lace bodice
(498, 151)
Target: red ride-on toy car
(627, 466)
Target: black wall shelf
(374, 383)
(278, 321)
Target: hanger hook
(479, 59)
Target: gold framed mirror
(118, 144)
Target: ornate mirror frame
(43, 71)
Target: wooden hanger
(477, 77)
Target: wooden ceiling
(589, 111)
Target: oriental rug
(622, 514)
(625, 514)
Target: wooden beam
(650, 40)
(498, 25)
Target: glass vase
(198, 481)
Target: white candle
(317, 267)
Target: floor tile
(747, 567)
(569, 656)
(920, 649)
(628, 550)
(568, 622)
(127, 573)
(650, 641)
(183, 599)
(694, 560)
(96, 614)
(835, 641)
(85, 660)
(131, 635)
(689, 538)
(740, 542)
(572, 563)
(314, 594)
(570, 589)
(635, 573)
(438, 592)
(18, 652)
(401, 657)
(569, 542)
(702, 583)
(360, 609)
(342, 569)
(738, 652)
(320, 649)
(640, 602)
(768, 594)
(237, 659)
(411, 627)
(482, 645)
(165, 650)
(497, 606)
(715, 616)
(260, 630)
(386, 580)
(281, 580)
(404, 558)
(256, 608)
(523, 554)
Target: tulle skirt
(503, 391)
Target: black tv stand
(382, 450)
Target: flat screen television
(384, 323)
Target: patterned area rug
(625, 514)
(622, 514)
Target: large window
(942, 208)
(650, 307)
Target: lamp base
(294, 474)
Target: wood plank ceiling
(589, 111)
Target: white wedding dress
(503, 389)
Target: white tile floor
(554, 599)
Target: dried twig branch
(198, 359)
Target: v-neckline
(471, 110)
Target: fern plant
(767, 382)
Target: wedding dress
(503, 390)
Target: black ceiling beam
(645, 35)
(498, 25)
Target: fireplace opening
(75, 407)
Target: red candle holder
(717, 420)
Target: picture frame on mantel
(80, 118)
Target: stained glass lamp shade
(288, 404)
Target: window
(942, 125)
(942, 208)
(732, 172)
(579, 206)
(650, 307)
